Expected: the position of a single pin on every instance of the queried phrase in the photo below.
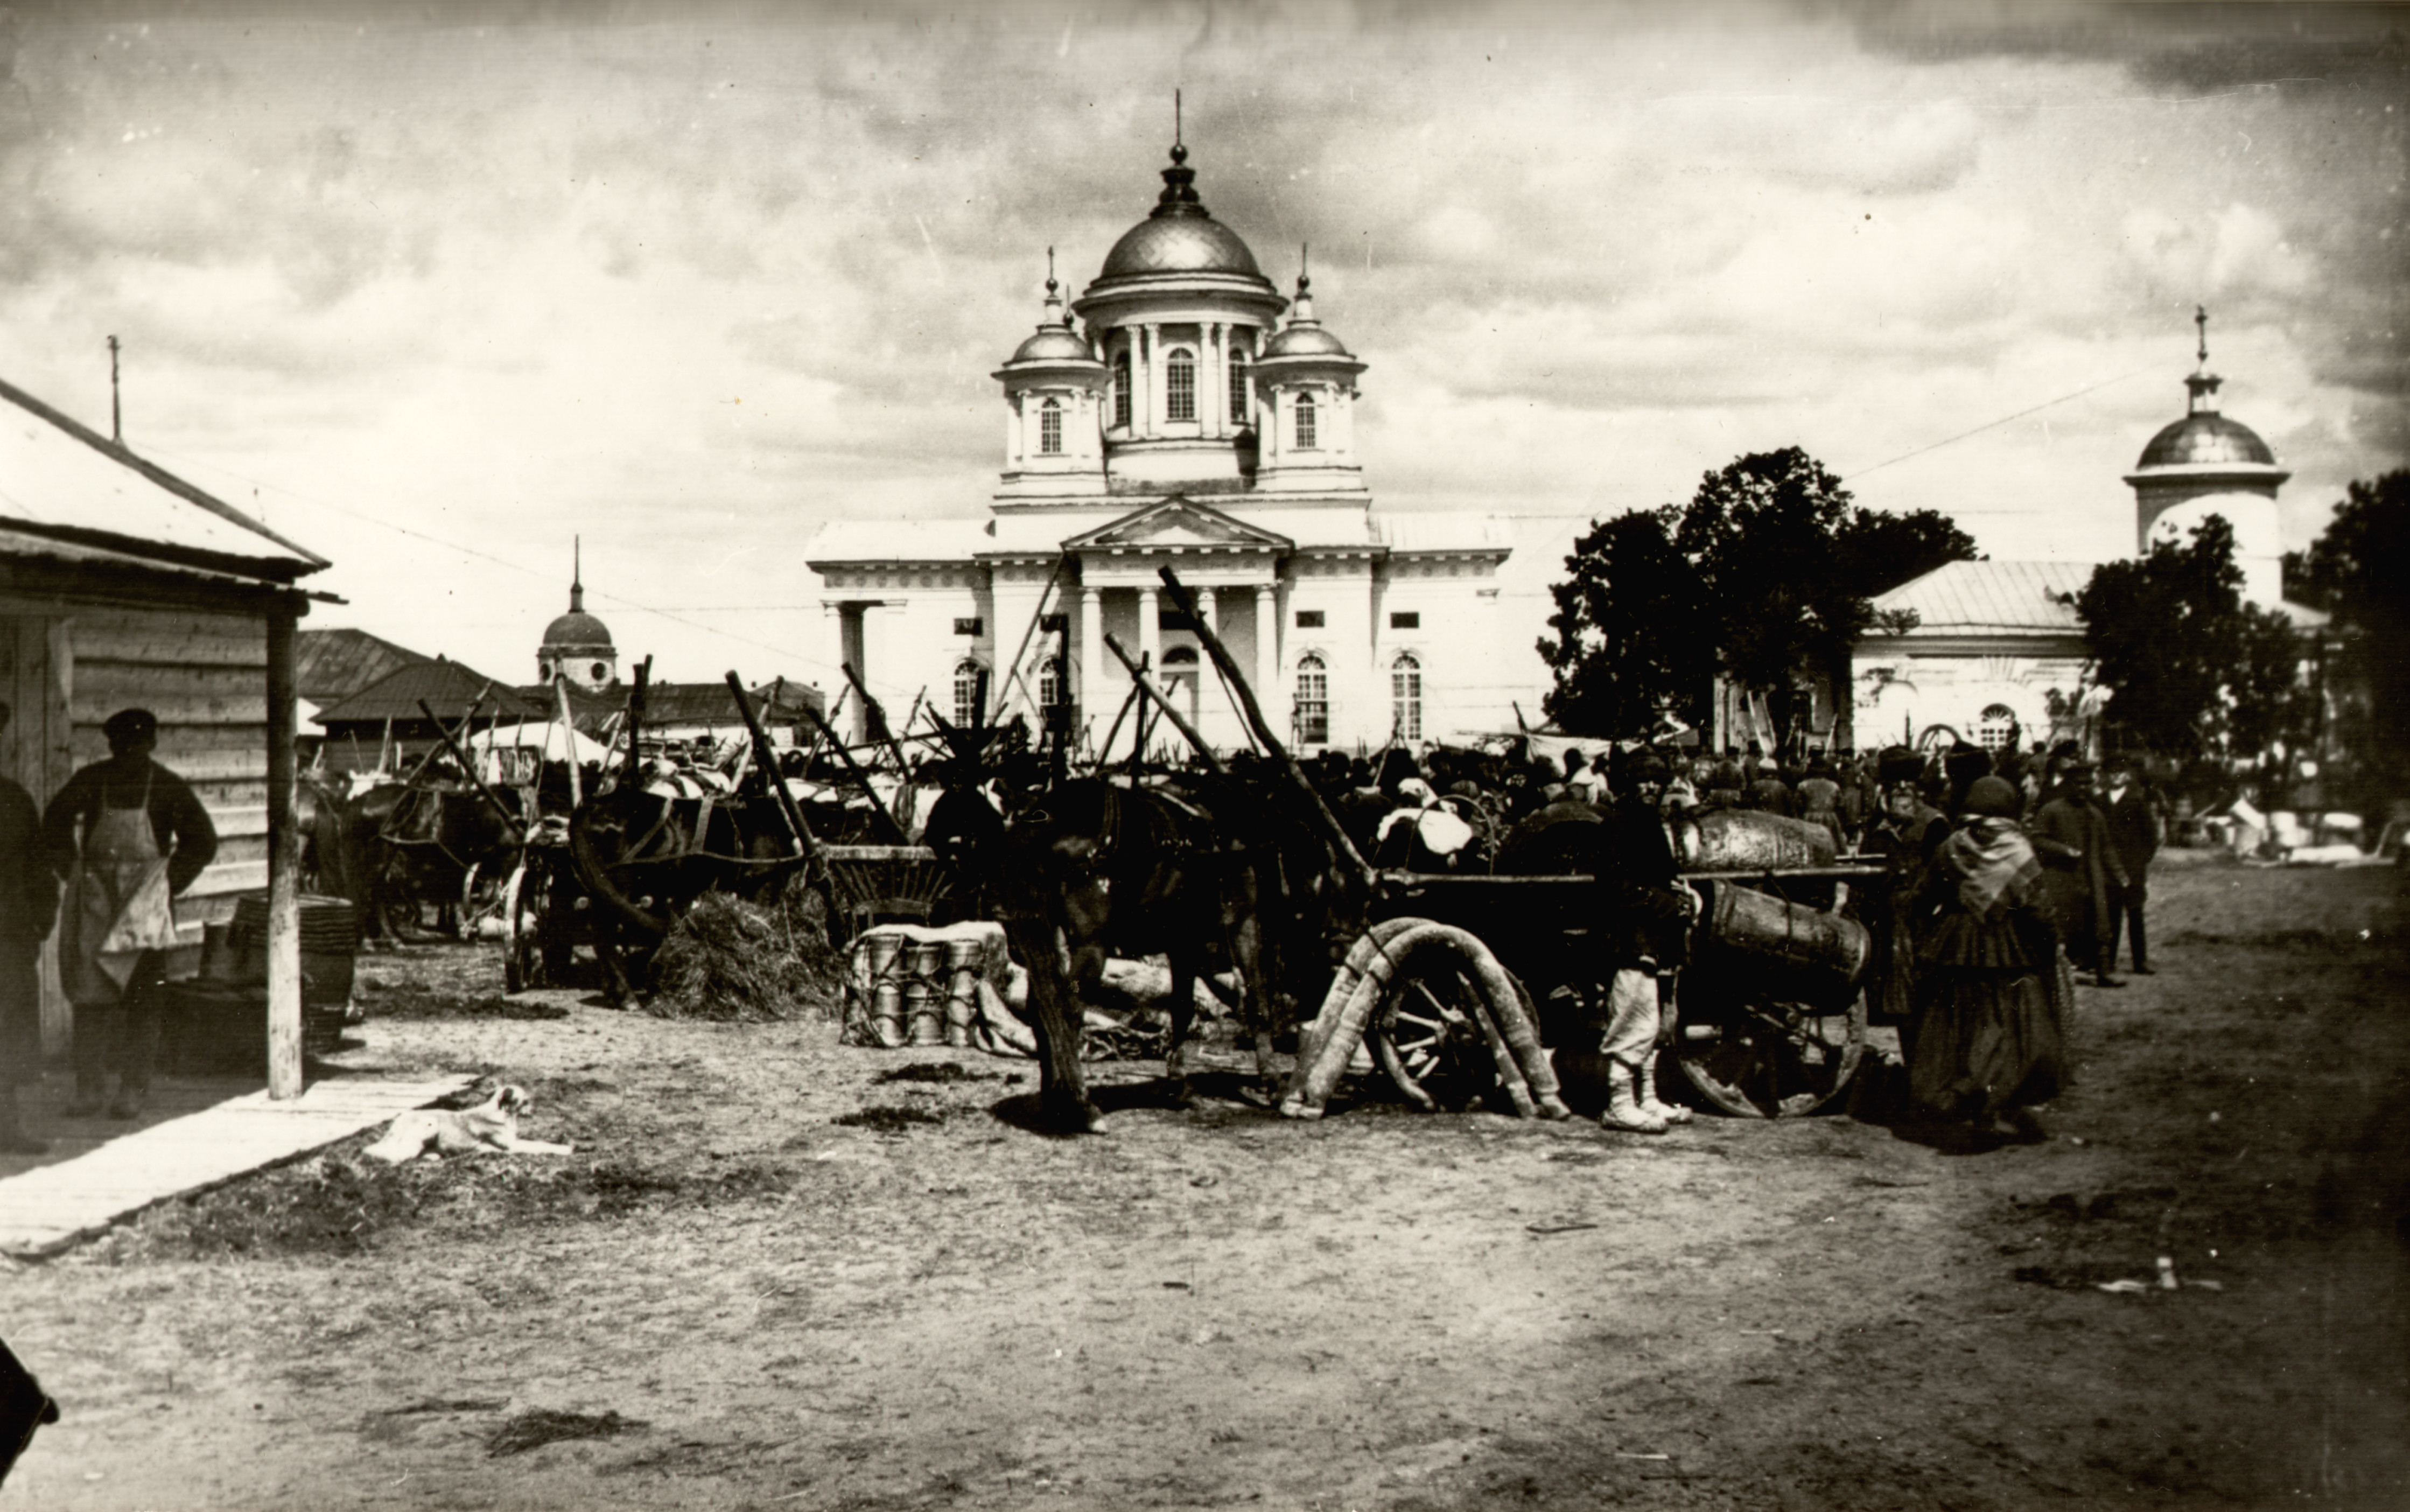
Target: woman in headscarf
(1990, 1043)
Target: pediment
(1179, 524)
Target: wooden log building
(123, 585)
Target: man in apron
(29, 903)
(126, 834)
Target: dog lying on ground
(492, 1125)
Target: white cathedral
(1172, 418)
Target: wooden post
(636, 719)
(1163, 705)
(510, 821)
(283, 862)
(568, 733)
(766, 758)
(1104, 751)
(862, 779)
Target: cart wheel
(1770, 1060)
(1427, 1035)
(528, 928)
(483, 895)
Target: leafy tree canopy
(2192, 670)
(1766, 575)
(2359, 572)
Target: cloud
(689, 280)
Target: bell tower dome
(2206, 464)
(577, 645)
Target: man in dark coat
(126, 834)
(29, 905)
(2134, 830)
(2083, 870)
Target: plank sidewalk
(54, 1206)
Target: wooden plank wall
(38, 751)
(205, 676)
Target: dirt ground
(770, 1278)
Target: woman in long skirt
(1991, 1040)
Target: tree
(2356, 571)
(1767, 575)
(1632, 649)
(2191, 670)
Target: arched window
(1050, 428)
(966, 693)
(1305, 442)
(1406, 697)
(1992, 731)
(1122, 388)
(1049, 683)
(1179, 385)
(1242, 412)
(1313, 701)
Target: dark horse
(391, 849)
(1203, 872)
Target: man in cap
(29, 903)
(2134, 830)
(126, 834)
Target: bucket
(881, 950)
(924, 1014)
(926, 960)
(963, 962)
(1797, 952)
(887, 1012)
(1747, 841)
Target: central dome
(1192, 244)
(1179, 234)
(2206, 438)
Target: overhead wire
(195, 464)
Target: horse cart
(630, 858)
(1768, 1014)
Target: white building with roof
(1996, 646)
(1170, 417)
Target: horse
(1200, 870)
(393, 848)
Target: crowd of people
(2009, 874)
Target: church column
(1150, 631)
(1209, 709)
(1154, 406)
(1213, 378)
(1267, 643)
(1092, 652)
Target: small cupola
(1055, 386)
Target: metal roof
(1442, 530)
(1964, 597)
(447, 687)
(58, 477)
(331, 666)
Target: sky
(434, 289)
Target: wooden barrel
(1796, 953)
(1747, 840)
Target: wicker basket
(885, 884)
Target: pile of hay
(738, 962)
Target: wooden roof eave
(142, 586)
(309, 561)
